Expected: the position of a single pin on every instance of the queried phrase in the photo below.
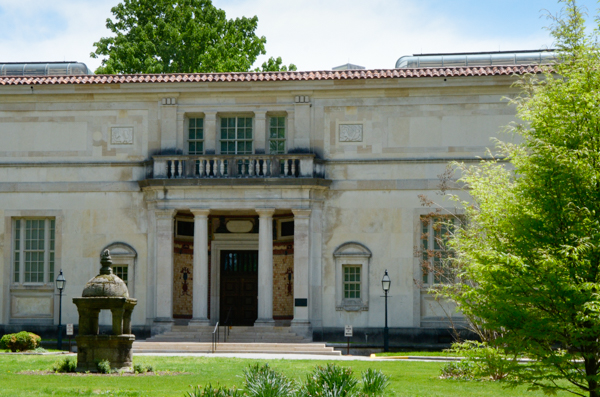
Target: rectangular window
(277, 135)
(352, 282)
(435, 233)
(236, 135)
(122, 273)
(33, 259)
(196, 136)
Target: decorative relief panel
(351, 132)
(121, 136)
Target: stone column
(164, 267)
(117, 320)
(260, 142)
(200, 276)
(210, 132)
(265, 267)
(301, 269)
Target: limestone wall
(85, 224)
(76, 154)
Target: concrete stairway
(203, 347)
(198, 339)
(183, 333)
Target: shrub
(210, 391)
(68, 364)
(262, 381)
(104, 367)
(142, 368)
(19, 342)
(374, 382)
(464, 370)
(330, 381)
(481, 361)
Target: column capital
(200, 212)
(260, 114)
(265, 212)
(210, 114)
(301, 212)
(164, 213)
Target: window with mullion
(236, 135)
(277, 135)
(33, 257)
(122, 271)
(196, 136)
(435, 254)
(352, 282)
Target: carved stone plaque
(121, 135)
(351, 132)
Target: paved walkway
(276, 356)
(265, 356)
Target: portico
(240, 225)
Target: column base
(302, 328)
(267, 322)
(196, 322)
(161, 325)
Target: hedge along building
(246, 198)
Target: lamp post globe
(60, 285)
(385, 284)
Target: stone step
(190, 347)
(183, 333)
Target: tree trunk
(591, 369)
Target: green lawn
(420, 353)
(407, 378)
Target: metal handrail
(215, 337)
(226, 331)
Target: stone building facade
(252, 198)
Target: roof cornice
(372, 74)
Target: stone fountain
(106, 291)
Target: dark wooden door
(239, 287)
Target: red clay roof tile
(274, 76)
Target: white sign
(348, 331)
(69, 329)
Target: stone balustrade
(236, 166)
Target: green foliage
(481, 361)
(529, 254)
(142, 368)
(275, 65)
(68, 364)
(374, 382)
(19, 342)
(178, 36)
(103, 367)
(210, 391)
(262, 381)
(329, 381)
(461, 370)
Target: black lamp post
(60, 285)
(385, 284)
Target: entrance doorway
(239, 287)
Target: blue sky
(313, 34)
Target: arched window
(352, 276)
(124, 258)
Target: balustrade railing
(234, 166)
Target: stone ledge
(235, 182)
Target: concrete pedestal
(117, 349)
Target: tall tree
(530, 250)
(178, 36)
